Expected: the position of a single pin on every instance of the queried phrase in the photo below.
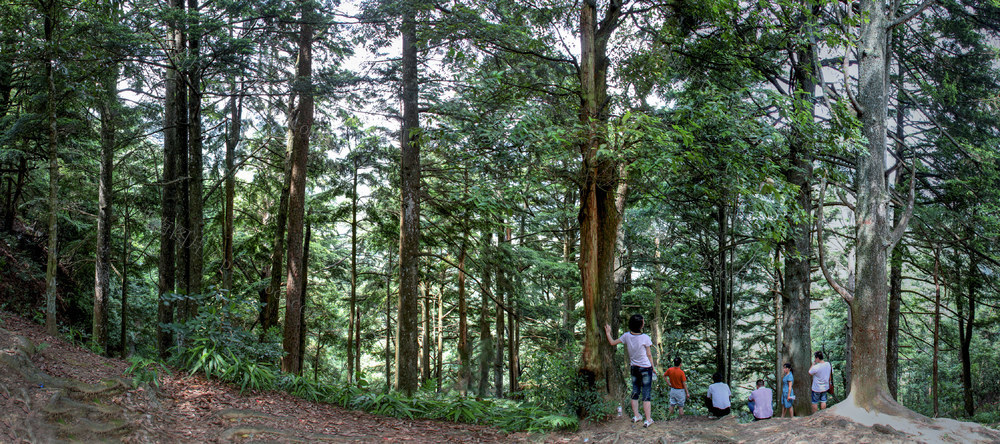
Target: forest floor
(54, 391)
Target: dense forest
(416, 197)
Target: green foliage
(145, 371)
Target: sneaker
(647, 423)
(636, 419)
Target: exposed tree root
(885, 414)
(237, 414)
(238, 433)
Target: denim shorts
(818, 397)
(642, 381)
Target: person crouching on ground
(760, 402)
(641, 360)
(717, 398)
(678, 387)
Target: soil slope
(54, 391)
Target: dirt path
(54, 391)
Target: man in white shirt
(820, 372)
(717, 398)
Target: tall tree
(50, 9)
(168, 208)
(299, 125)
(602, 195)
(797, 248)
(409, 214)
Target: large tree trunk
(300, 125)
(797, 249)
(52, 262)
(601, 200)
(869, 307)
(168, 215)
(102, 265)
(409, 215)
(195, 171)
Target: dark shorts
(642, 382)
(818, 397)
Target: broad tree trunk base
(884, 412)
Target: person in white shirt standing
(641, 364)
(820, 372)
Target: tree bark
(869, 306)
(168, 214)
(409, 215)
(232, 140)
(52, 262)
(965, 330)
(303, 295)
(102, 264)
(895, 270)
(195, 170)
(299, 125)
(796, 297)
(722, 293)
(269, 305)
(601, 199)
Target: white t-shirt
(719, 393)
(821, 376)
(636, 346)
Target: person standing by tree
(820, 372)
(678, 387)
(641, 364)
(787, 395)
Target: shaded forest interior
(407, 196)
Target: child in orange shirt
(678, 387)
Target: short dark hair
(716, 377)
(635, 323)
(677, 362)
(788, 365)
(760, 383)
(819, 355)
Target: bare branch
(897, 232)
(909, 15)
(840, 289)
